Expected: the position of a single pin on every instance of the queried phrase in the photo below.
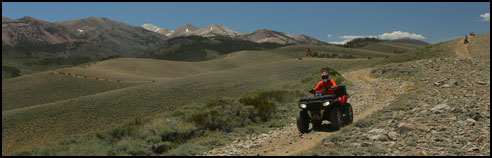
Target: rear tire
(336, 118)
(303, 122)
(349, 114)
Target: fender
(343, 99)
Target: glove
(311, 91)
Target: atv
(333, 108)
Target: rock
(437, 83)
(462, 123)
(482, 83)
(376, 131)
(422, 153)
(446, 86)
(452, 82)
(355, 144)
(474, 149)
(401, 112)
(366, 144)
(380, 137)
(393, 135)
(440, 108)
(472, 121)
(486, 105)
(264, 135)
(403, 127)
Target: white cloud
(350, 37)
(340, 42)
(329, 35)
(485, 16)
(399, 34)
(392, 35)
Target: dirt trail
(461, 48)
(369, 95)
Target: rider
(328, 86)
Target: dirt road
(461, 48)
(368, 95)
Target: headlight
(326, 103)
(303, 106)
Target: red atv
(333, 108)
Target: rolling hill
(94, 112)
(149, 86)
(197, 48)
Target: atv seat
(341, 90)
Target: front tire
(336, 118)
(349, 114)
(317, 124)
(303, 122)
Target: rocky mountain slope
(216, 30)
(185, 30)
(265, 35)
(114, 35)
(259, 36)
(30, 31)
(154, 28)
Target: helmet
(325, 75)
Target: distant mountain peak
(184, 30)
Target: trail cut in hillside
(461, 49)
(368, 95)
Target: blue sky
(326, 21)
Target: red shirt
(321, 87)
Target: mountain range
(258, 36)
(33, 45)
(120, 38)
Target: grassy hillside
(230, 76)
(94, 107)
(197, 48)
(32, 60)
(301, 50)
(391, 47)
(45, 87)
(132, 69)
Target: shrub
(127, 129)
(376, 150)
(119, 132)
(332, 72)
(367, 122)
(137, 147)
(14, 72)
(161, 147)
(187, 150)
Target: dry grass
(41, 88)
(91, 105)
(391, 47)
(54, 121)
(295, 50)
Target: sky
(334, 22)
